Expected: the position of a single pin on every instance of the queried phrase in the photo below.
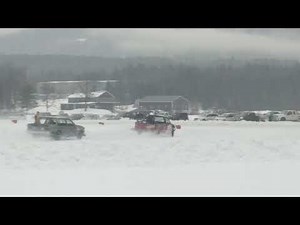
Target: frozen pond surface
(204, 158)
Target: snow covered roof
(97, 94)
(78, 103)
(160, 98)
(91, 95)
(77, 95)
(77, 81)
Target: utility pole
(84, 87)
(86, 95)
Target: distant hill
(67, 67)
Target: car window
(69, 122)
(61, 122)
(43, 120)
(51, 121)
(159, 119)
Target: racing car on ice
(157, 124)
(57, 127)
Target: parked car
(230, 117)
(251, 116)
(180, 116)
(136, 114)
(160, 113)
(57, 127)
(112, 117)
(273, 115)
(287, 115)
(263, 116)
(211, 116)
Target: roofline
(54, 116)
(184, 98)
(75, 81)
(107, 102)
(104, 91)
(154, 101)
(179, 96)
(71, 103)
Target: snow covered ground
(203, 158)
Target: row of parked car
(286, 115)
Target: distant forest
(250, 84)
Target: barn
(171, 104)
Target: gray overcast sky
(151, 42)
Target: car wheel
(282, 119)
(56, 135)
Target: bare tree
(47, 90)
(12, 79)
(26, 96)
(86, 89)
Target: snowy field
(202, 159)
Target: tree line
(247, 86)
(15, 89)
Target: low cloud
(8, 31)
(151, 42)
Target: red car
(156, 123)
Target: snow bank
(125, 108)
(53, 106)
(90, 111)
(54, 109)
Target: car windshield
(69, 122)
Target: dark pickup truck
(57, 127)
